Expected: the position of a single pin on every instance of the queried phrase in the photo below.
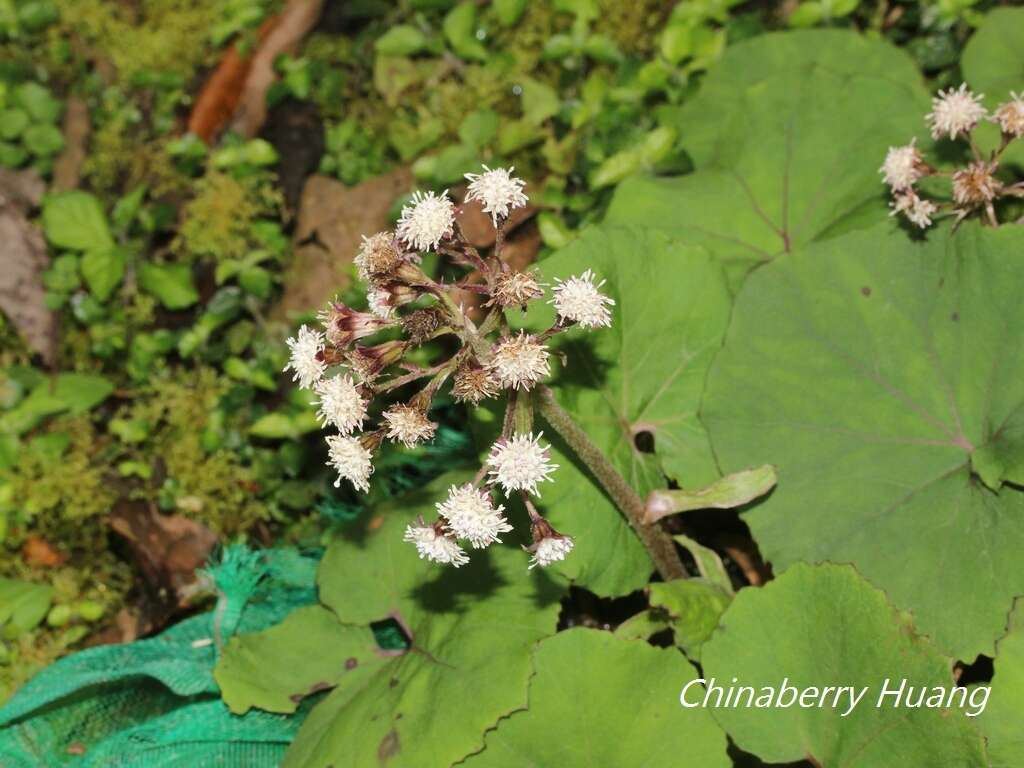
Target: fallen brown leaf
(39, 553)
(23, 258)
(332, 220)
(167, 548)
(292, 25)
(222, 92)
(67, 169)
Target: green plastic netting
(154, 702)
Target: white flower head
(380, 303)
(902, 167)
(472, 515)
(918, 211)
(351, 460)
(498, 191)
(1010, 116)
(427, 220)
(520, 462)
(341, 404)
(955, 112)
(434, 544)
(519, 361)
(408, 425)
(305, 358)
(579, 300)
(550, 550)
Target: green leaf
(709, 564)
(309, 651)
(76, 220)
(825, 625)
(727, 492)
(694, 607)
(282, 425)
(103, 271)
(12, 123)
(23, 604)
(869, 369)
(1000, 722)
(993, 64)
(597, 699)
(509, 11)
(427, 705)
(170, 283)
(787, 134)
(641, 379)
(37, 101)
(401, 40)
(460, 31)
(540, 101)
(43, 140)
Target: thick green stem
(658, 543)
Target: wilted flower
(341, 404)
(408, 425)
(427, 220)
(519, 361)
(520, 462)
(955, 112)
(306, 360)
(917, 210)
(377, 256)
(471, 514)
(351, 460)
(1010, 116)
(498, 191)
(473, 384)
(578, 300)
(515, 289)
(975, 184)
(434, 544)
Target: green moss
(218, 220)
(214, 486)
(635, 25)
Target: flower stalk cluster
(352, 372)
(975, 188)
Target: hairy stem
(659, 544)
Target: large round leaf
(472, 631)
(599, 700)
(642, 377)
(1002, 718)
(993, 63)
(885, 378)
(787, 135)
(818, 626)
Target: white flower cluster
(955, 113)
(346, 374)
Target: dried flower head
(903, 166)
(520, 462)
(471, 514)
(341, 404)
(917, 210)
(306, 358)
(473, 384)
(578, 300)
(427, 220)
(955, 112)
(1010, 116)
(408, 425)
(433, 543)
(498, 191)
(519, 361)
(421, 324)
(975, 184)
(378, 256)
(351, 460)
(549, 546)
(515, 289)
